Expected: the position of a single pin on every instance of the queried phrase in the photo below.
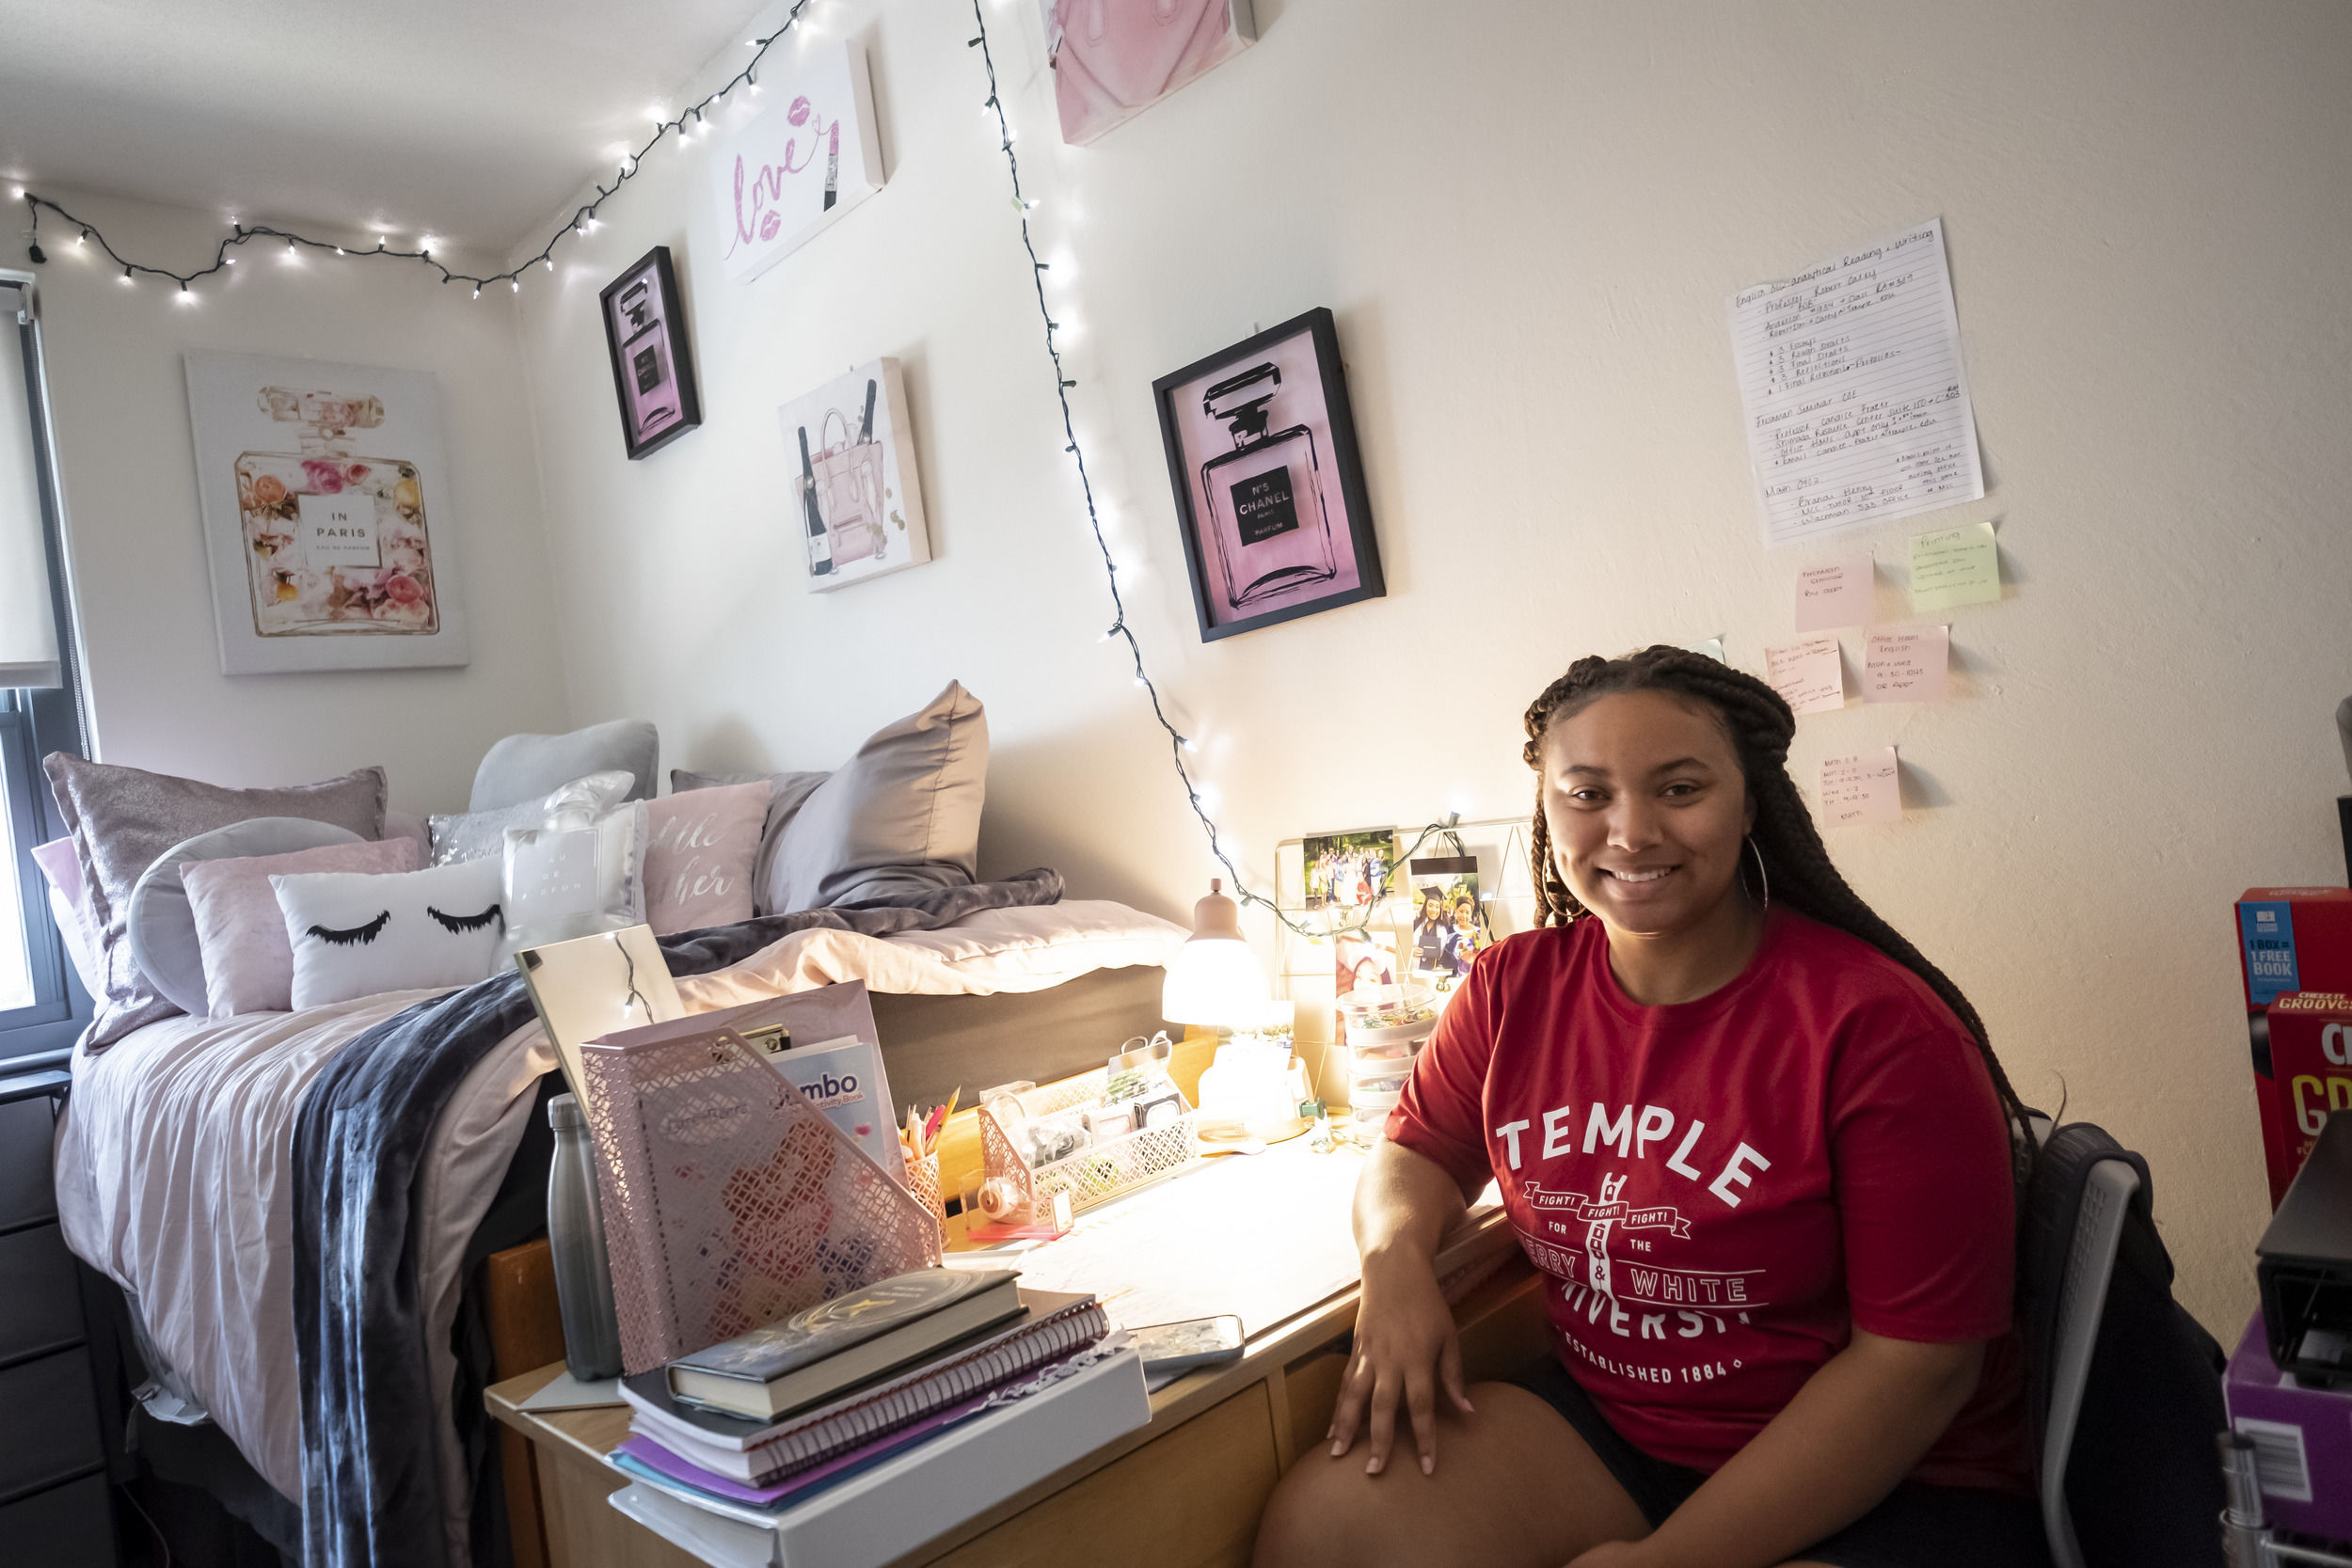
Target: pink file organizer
(730, 1201)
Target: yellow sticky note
(1957, 566)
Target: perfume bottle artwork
(334, 543)
(842, 493)
(1267, 516)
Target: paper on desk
(1906, 666)
(1862, 788)
(1955, 567)
(1263, 1237)
(1836, 593)
(1809, 675)
(568, 1393)
(1856, 403)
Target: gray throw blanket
(372, 1486)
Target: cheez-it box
(2310, 1074)
(2294, 939)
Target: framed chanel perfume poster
(1269, 488)
(328, 522)
(857, 502)
(653, 364)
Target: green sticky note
(1956, 567)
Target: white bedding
(173, 1160)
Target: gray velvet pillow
(902, 815)
(524, 768)
(162, 923)
(787, 794)
(123, 819)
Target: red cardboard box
(2290, 939)
(2310, 1074)
(2294, 939)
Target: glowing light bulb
(515, 284)
(81, 239)
(339, 250)
(186, 297)
(230, 259)
(550, 261)
(126, 278)
(594, 225)
(477, 290)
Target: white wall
(1527, 217)
(127, 464)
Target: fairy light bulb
(81, 239)
(515, 284)
(551, 262)
(186, 297)
(477, 290)
(126, 278)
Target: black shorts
(1916, 1527)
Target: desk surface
(1318, 1187)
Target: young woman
(1761, 1152)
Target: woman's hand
(1406, 1347)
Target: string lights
(582, 222)
(1178, 745)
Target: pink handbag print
(849, 490)
(1115, 59)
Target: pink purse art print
(335, 544)
(857, 502)
(1113, 59)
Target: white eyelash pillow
(355, 934)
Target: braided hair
(1788, 847)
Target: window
(42, 1006)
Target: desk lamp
(1215, 980)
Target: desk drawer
(41, 1307)
(67, 1527)
(53, 1430)
(27, 1128)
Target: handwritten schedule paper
(1856, 403)
(1859, 789)
(1837, 595)
(1957, 566)
(1809, 675)
(1906, 666)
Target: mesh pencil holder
(1018, 1193)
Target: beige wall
(128, 471)
(1527, 217)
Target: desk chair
(2123, 1388)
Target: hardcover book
(837, 1344)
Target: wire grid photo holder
(730, 1201)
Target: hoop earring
(1763, 875)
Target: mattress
(173, 1157)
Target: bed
(180, 1175)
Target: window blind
(28, 633)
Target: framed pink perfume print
(653, 364)
(1269, 486)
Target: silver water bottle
(584, 1271)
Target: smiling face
(1646, 807)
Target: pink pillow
(700, 854)
(249, 963)
(69, 905)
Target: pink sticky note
(1808, 674)
(1834, 595)
(1906, 666)
(1859, 789)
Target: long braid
(1795, 860)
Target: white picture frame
(778, 180)
(328, 528)
(857, 501)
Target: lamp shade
(1215, 980)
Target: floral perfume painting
(1269, 486)
(325, 520)
(856, 507)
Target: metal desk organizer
(1016, 1193)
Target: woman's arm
(1406, 1345)
(1853, 1431)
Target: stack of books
(787, 1419)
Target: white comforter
(173, 1160)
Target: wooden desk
(1182, 1492)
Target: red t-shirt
(1721, 1190)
